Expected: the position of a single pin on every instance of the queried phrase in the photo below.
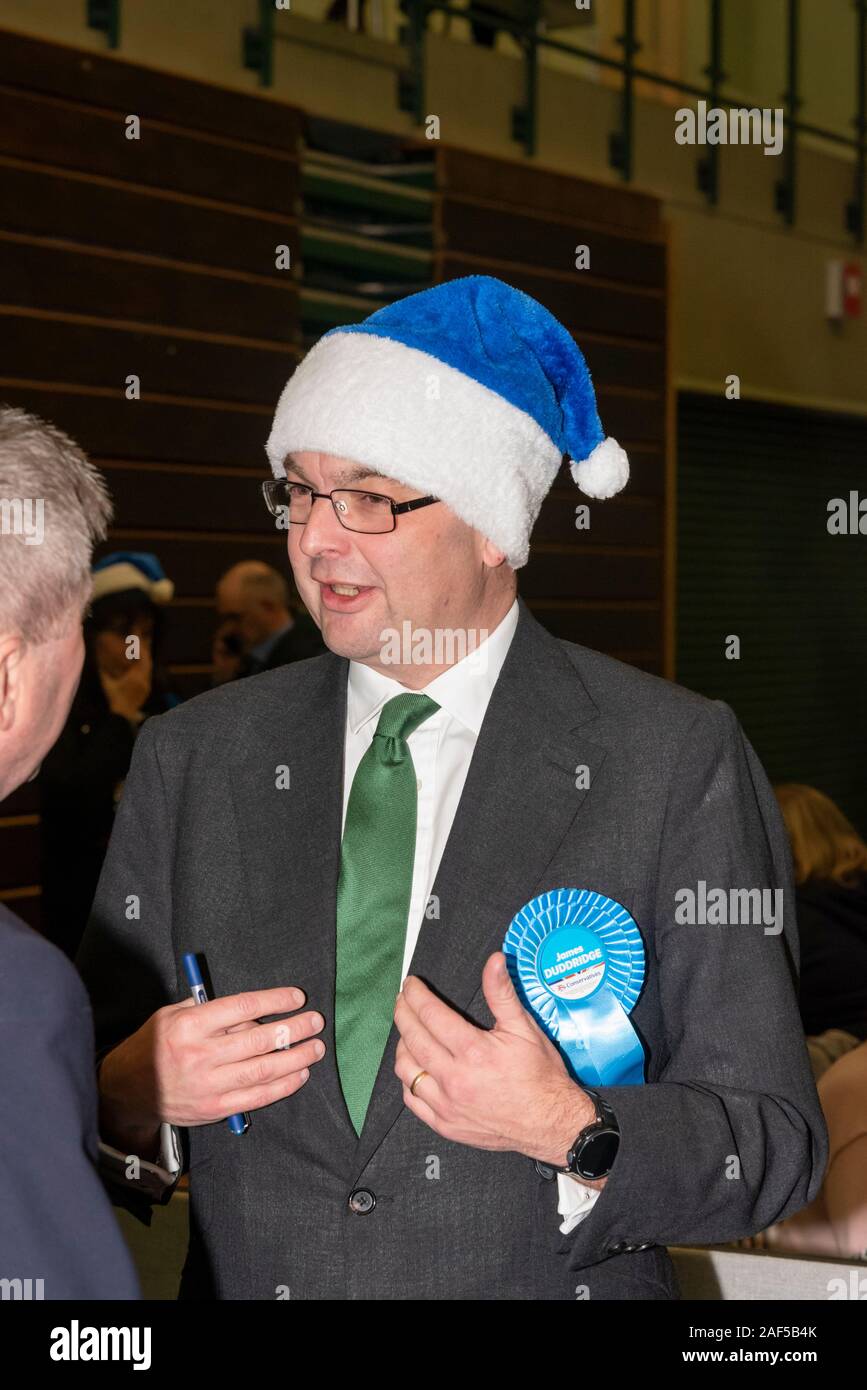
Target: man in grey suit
(58, 1235)
(347, 840)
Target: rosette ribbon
(576, 959)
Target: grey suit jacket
(59, 1238)
(727, 1136)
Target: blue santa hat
(470, 390)
(131, 569)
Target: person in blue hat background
(347, 839)
(82, 777)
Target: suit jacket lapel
(518, 803)
(291, 851)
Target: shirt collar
(463, 690)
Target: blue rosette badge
(576, 959)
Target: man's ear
(492, 557)
(11, 655)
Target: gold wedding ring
(415, 1083)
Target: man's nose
(322, 530)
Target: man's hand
(194, 1064)
(500, 1088)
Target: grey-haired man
(58, 1235)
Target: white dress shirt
(442, 748)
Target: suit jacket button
(361, 1201)
(619, 1248)
(544, 1170)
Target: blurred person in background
(485, 21)
(258, 629)
(830, 862)
(835, 1222)
(227, 654)
(83, 775)
(57, 1228)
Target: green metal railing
(411, 93)
(257, 44)
(258, 52)
(104, 16)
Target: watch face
(598, 1154)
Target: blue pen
(238, 1124)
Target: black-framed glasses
(356, 510)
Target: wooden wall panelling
(604, 586)
(153, 257)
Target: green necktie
(373, 893)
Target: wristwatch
(593, 1153)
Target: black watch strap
(595, 1148)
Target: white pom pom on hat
(604, 472)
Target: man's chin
(348, 639)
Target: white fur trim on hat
(604, 471)
(115, 579)
(423, 423)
